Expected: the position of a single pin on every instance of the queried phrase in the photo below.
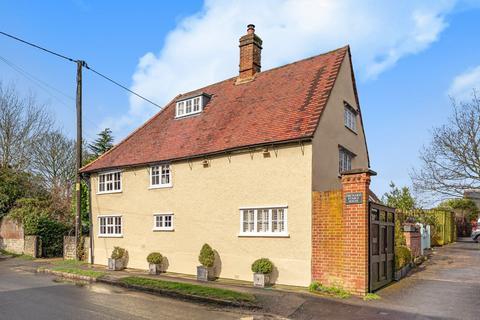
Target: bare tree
(22, 123)
(53, 159)
(451, 163)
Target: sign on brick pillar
(355, 191)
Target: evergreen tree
(102, 144)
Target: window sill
(110, 236)
(351, 130)
(159, 229)
(264, 235)
(161, 186)
(109, 192)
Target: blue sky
(408, 57)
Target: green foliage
(403, 256)
(371, 296)
(338, 292)
(117, 253)
(399, 236)
(15, 185)
(154, 258)
(102, 144)
(84, 207)
(36, 219)
(189, 289)
(262, 265)
(81, 272)
(68, 263)
(464, 206)
(400, 199)
(207, 256)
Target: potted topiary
(262, 268)
(206, 271)
(154, 260)
(116, 260)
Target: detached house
(233, 164)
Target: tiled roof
(279, 105)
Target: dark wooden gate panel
(381, 246)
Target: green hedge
(403, 256)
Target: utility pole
(78, 190)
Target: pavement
(447, 286)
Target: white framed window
(163, 221)
(110, 226)
(189, 106)
(350, 118)
(160, 176)
(110, 182)
(345, 160)
(264, 221)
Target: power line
(122, 86)
(46, 87)
(84, 64)
(38, 47)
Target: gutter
(209, 154)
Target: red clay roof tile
(281, 104)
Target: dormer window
(191, 105)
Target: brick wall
(11, 236)
(414, 242)
(340, 235)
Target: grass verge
(371, 296)
(81, 272)
(68, 263)
(16, 255)
(333, 291)
(189, 289)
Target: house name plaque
(354, 197)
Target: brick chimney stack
(250, 55)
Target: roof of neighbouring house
(280, 105)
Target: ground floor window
(163, 221)
(110, 226)
(265, 221)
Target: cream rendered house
(234, 165)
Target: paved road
(445, 287)
(24, 295)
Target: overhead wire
(84, 64)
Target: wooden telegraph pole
(78, 197)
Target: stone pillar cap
(358, 171)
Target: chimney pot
(251, 28)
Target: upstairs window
(345, 160)
(189, 106)
(160, 176)
(110, 182)
(350, 118)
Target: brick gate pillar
(355, 193)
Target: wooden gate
(381, 246)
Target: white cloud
(203, 48)
(463, 85)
